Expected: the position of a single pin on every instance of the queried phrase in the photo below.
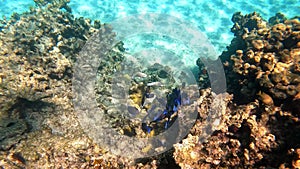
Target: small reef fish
(140, 75)
(154, 84)
(172, 106)
(160, 116)
(148, 97)
(148, 100)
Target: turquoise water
(213, 18)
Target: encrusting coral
(261, 125)
(263, 57)
(38, 49)
(248, 136)
(36, 55)
(39, 128)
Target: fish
(160, 116)
(172, 106)
(175, 109)
(146, 128)
(140, 74)
(177, 102)
(158, 84)
(148, 100)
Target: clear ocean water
(213, 18)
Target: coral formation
(38, 124)
(37, 49)
(39, 129)
(36, 112)
(260, 128)
(264, 58)
(248, 136)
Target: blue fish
(167, 124)
(173, 103)
(175, 109)
(177, 102)
(160, 116)
(146, 128)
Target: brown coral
(269, 61)
(38, 71)
(262, 71)
(38, 49)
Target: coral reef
(38, 125)
(266, 60)
(36, 112)
(37, 49)
(133, 113)
(39, 128)
(36, 55)
(248, 136)
(260, 127)
(230, 145)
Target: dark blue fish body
(160, 116)
(175, 108)
(146, 128)
(173, 103)
(167, 124)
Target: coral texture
(260, 127)
(263, 58)
(39, 128)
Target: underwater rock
(248, 136)
(244, 25)
(268, 60)
(203, 78)
(11, 131)
(36, 51)
(278, 18)
(60, 4)
(262, 71)
(39, 47)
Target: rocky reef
(263, 59)
(37, 49)
(261, 122)
(38, 125)
(258, 124)
(249, 136)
